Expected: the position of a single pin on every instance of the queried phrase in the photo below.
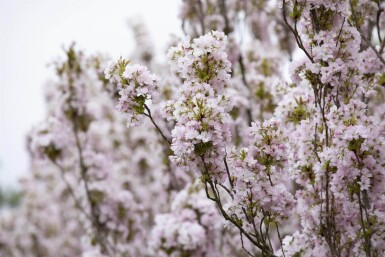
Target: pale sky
(32, 33)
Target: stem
(367, 41)
(295, 32)
(366, 238)
(228, 173)
(380, 10)
(244, 248)
(94, 212)
(72, 193)
(156, 126)
(223, 8)
(280, 238)
(202, 17)
(243, 73)
(265, 250)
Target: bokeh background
(32, 35)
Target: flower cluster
(237, 157)
(81, 196)
(186, 228)
(136, 85)
(190, 227)
(357, 181)
(201, 113)
(335, 154)
(120, 221)
(261, 194)
(203, 60)
(297, 105)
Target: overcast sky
(32, 33)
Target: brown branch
(223, 8)
(280, 238)
(244, 248)
(367, 41)
(265, 251)
(295, 32)
(94, 212)
(244, 80)
(366, 238)
(148, 114)
(228, 172)
(380, 10)
(72, 193)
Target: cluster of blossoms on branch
(135, 85)
(201, 112)
(263, 135)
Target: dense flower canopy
(262, 135)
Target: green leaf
(202, 147)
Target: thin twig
(94, 212)
(367, 41)
(280, 238)
(380, 10)
(295, 32)
(244, 80)
(228, 172)
(315, 143)
(71, 191)
(244, 248)
(216, 199)
(148, 114)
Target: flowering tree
(232, 149)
